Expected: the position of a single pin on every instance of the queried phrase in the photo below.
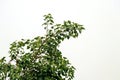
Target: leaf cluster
(39, 58)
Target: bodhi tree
(39, 58)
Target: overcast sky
(95, 53)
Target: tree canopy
(39, 58)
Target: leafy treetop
(39, 58)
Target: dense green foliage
(39, 58)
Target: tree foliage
(40, 58)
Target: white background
(95, 53)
